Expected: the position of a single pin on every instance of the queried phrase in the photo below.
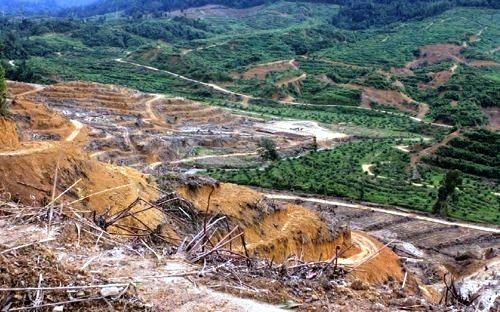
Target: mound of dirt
(381, 267)
(274, 231)
(102, 188)
(9, 139)
(35, 121)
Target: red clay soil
(415, 158)
(387, 97)
(261, 71)
(8, 138)
(433, 54)
(493, 116)
(438, 79)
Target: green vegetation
(403, 125)
(452, 180)
(395, 45)
(3, 93)
(267, 149)
(358, 14)
(476, 152)
(339, 172)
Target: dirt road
(209, 85)
(414, 159)
(74, 134)
(32, 148)
(195, 158)
(245, 98)
(368, 250)
(36, 88)
(38, 147)
(384, 210)
(149, 107)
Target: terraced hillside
(143, 130)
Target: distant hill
(30, 7)
(355, 14)
(144, 7)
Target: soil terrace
(135, 129)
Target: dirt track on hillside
(383, 210)
(38, 147)
(414, 159)
(245, 98)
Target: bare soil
(493, 116)
(213, 10)
(9, 139)
(261, 71)
(436, 53)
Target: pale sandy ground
(302, 128)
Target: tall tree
(451, 180)
(267, 149)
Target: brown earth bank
(262, 70)
(394, 98)
(9, 138)
(271, 230)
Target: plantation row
(475, 153)
(338, 172)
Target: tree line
(360, 14)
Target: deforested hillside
(250, 156)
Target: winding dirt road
(149, 107)
(38, 147)
(368, 250)
(384, 210)
(414, 159)
(74, 134)
(209, 85)
(245, 98)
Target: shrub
(3, 93)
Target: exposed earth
(100, 157)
